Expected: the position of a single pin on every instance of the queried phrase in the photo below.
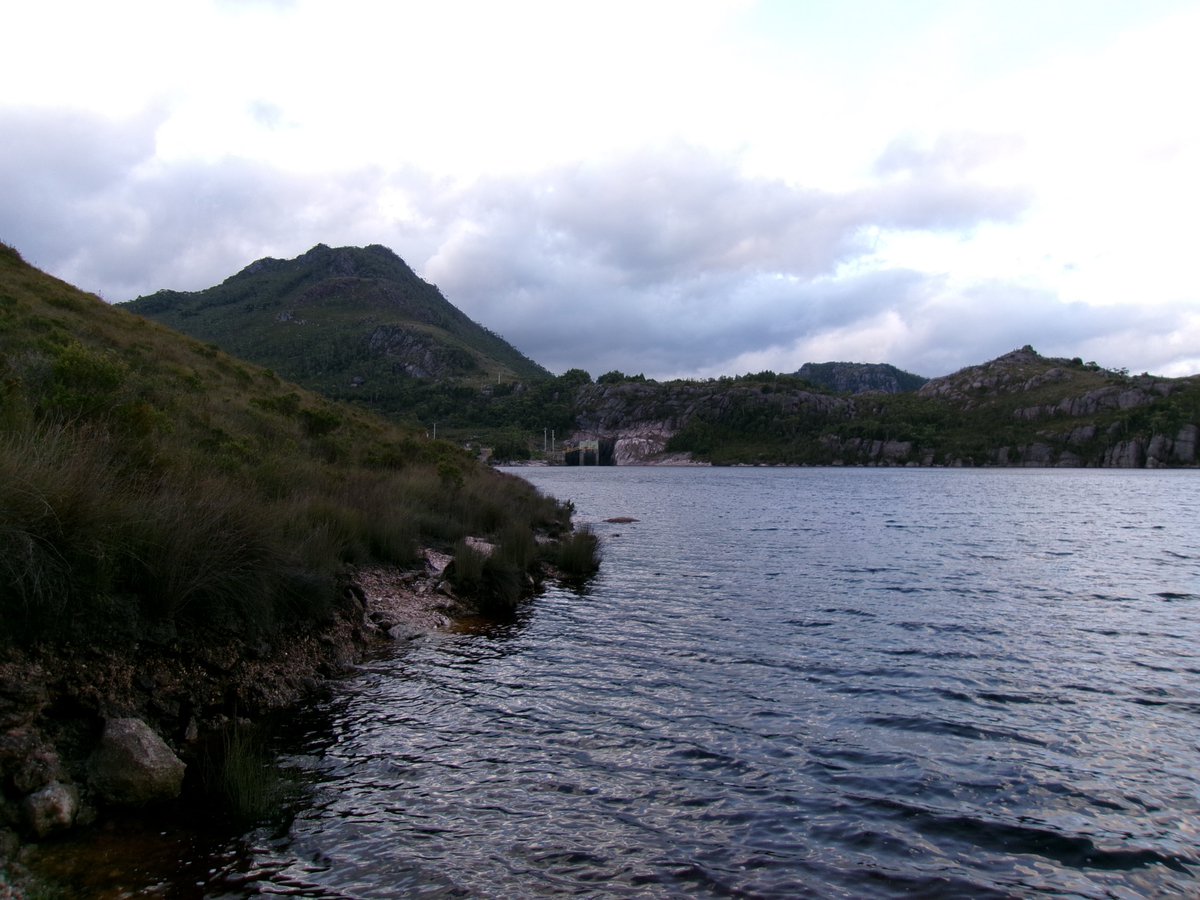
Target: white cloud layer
(672, 188)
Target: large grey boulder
(132, 764)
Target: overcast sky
(689, 188)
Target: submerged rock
(134, 765)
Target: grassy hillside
(354, 324)
(151, 483)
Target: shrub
(319, 422)
(518, 546)
(489, 581)
(63, 524)
(465, 571)
(577, 556)
(503, 587)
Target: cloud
(86, 198)
(753, 185)
(675, 261)
(671, 261)
(53, 166)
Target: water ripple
(788, 683)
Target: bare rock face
(51, 809)
(1184, 449)
(1126, 455)
(133, 765)
(644, 441)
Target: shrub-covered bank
(181, 535)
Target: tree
(574, 377)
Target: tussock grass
(577, 556)
(240, 778)
(494, 583)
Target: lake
(784, 682)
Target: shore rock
(51, 809)
(134, 765)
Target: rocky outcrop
(642, 443)
(133, 765)
(1183, 448)
(154, 707)
(862, 452)
(1013, 371)
(1157, 452)
(403, 604)
(635, 419)
(1036, 412)
(1097, 401)
(415, 354)
(51, 809)
(860, 378)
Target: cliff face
(637, 419)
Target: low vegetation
(239, 777)
(577, 555)
(149, 483)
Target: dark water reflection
(813, 683)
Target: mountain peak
(343, 318)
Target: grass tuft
(240, 778)
(577, 556)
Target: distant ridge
(1020, 409)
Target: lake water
(786, 682)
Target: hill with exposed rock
(354, 323)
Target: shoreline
(55, 701)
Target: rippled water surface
(788, 682)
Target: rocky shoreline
(87, 729)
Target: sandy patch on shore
(405, 603)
